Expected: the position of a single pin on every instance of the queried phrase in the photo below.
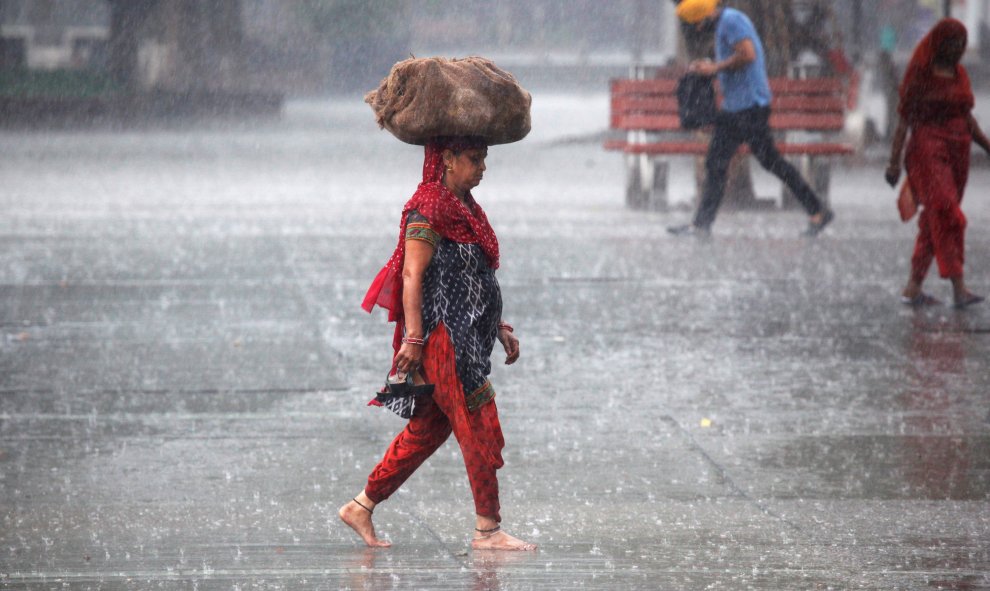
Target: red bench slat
(788, 85)
(814, 105)
(790, 102)
(660, 86)
(647, 122)
(817, 149)
(781, 86)
(807, 86)
(701, 148)
(662, 104)
(778, 121)
(668, 103)
(809, 121)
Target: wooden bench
(806, 116)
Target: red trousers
(937, 162)
(478, 433)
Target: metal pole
(947, 8)
(638, 36)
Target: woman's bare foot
(911, 290)
(358, 518)
(500, 541)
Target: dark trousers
(752, 127)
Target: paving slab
(184, 371)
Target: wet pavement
(184, 370)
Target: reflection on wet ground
(184, 370)
(936, 467)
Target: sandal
(922, 300)
(402, 385)
(969, 300)
(400, 395)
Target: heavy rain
(195, 198)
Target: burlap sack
(423, 98)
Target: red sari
(478, 431)
(937, 109)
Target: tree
(126, 19)
(773, 21)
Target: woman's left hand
(511, 344)
(409, 358)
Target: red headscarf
(925, 96)
(448, 217)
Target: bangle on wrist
(505, 326)
(413, 341)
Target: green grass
(56, 84)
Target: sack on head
(423, 98)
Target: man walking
(744, 116)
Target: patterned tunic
(460, 290)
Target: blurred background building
(236, 51)
(47, 35)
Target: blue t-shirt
(746, 87)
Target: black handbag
(696, 101)
(400, 395)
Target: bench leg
(639, 181)
(787, 199)
(646, 182)
(821, 176)
(657, 197)
(634, 181)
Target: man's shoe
(690, 230)
(816, 229)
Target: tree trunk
(126, 17)
(773, 24)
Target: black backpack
(696, 101)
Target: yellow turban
(695, 11)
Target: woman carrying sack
(440, 290)
(936, 103)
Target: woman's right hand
(409, 358)
(893, 174)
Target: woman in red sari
(936, 102)
(440, 289)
